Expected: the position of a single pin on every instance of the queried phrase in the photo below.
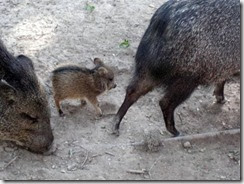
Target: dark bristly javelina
(24, 110)
(188, 43)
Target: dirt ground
(53, 32)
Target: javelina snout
(188, 43)
(24, 109)
(75, 82)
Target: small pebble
(63, 171)
(72, 167)
(202, 150)
(187, 144)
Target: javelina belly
(187, 44)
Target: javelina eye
(110, 79)
(28, 117)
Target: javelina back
(188, 43)
(75, 82)
(24, 111)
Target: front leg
(94, 102)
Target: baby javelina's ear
(98, 61)
(102, 71)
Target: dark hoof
(176, 134)
(220, 100)
(115, 132)
(61, 114)
(83, 103)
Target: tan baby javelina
(75, 82)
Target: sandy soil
(52, 32)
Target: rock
(223, 177)
(63, 171)
(72, 167)
(187, 145)
(202, 150)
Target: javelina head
(24, 110)
(105, 73)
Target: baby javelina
(75, 82)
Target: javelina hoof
(176, 134)
(61, 114)
(115, 132)
(220, 100)
(82, 103)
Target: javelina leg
(135, 90)
(94, 102)
(82, 103)
(176, 93)
(219, 92)
(57, 102)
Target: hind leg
(137, 88)
(82, 103)
(219, 92)
(57, 102)
(176, 93)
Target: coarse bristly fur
(188, 43)
(24, 110)
(75, 82)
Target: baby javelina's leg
(82, 103)
(57, 102)
(94, 102)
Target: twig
(109, 154)
(97, 155)
(143, 171)
(10, 162)
(179, 117)
(82, 165)
(154, 163)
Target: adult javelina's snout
(188, 43)
(24, 111)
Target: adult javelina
(24, 111)
(188, 43)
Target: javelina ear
(7, 91)
(26, 60)
(102, 71)
(98, 61)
